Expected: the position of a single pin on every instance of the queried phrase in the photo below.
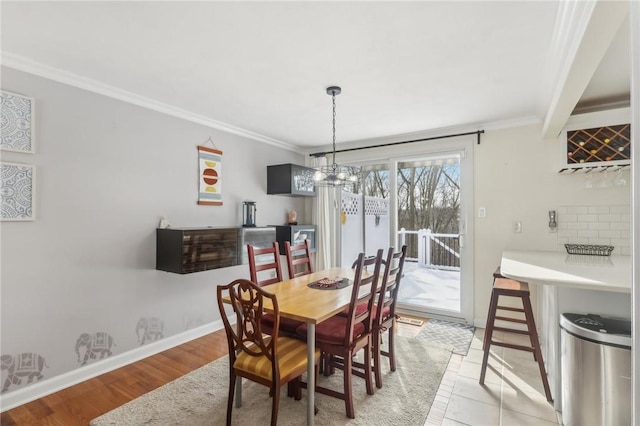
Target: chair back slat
(388, 288)
(363, 292)
(264, 259)
(298, 255)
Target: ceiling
(261, 68)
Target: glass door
(428, 194)
(424, 202)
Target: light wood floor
(79, 404)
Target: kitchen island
(570, 283)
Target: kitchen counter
(604, 273)
(569, 284)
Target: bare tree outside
(428, 195)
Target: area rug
(200, 397)
(453, 334)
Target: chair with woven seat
(343, 336)
(298, 259)
(265, 269)
(271, 360)
(511, 288)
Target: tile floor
(512, 396)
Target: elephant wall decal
(149, 330)
(96, 345)
(192, 321)
(25, 365)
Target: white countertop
(605, 273)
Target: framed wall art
(17, 191)
(210, 187)
(17, 122)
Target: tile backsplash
(602, 224)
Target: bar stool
(512, 288)
(496, 274)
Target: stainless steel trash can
(596, 370)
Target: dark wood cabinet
(296, 234)
(187, 250)
(290, 179)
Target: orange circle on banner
(210, 176)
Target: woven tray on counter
(589, 249)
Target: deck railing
(431, 250)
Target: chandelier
(334, 175)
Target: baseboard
(425, 315)
(480, 322)
(46, 387)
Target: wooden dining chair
(343, 336)
(265, 269)
(384, 318)
(268, 359)
(298, 259)
(264, 264)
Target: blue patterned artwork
(17, 191)
(16, 122)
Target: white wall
(516, 179)
(106, 173)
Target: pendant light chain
(333, 97)
(333, 175)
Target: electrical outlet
(517, 227)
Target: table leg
(311, 374)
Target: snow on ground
(430, 288)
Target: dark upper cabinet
(290, 179)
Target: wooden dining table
(298, 301)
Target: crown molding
(36, 68)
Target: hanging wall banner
(210, 160)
